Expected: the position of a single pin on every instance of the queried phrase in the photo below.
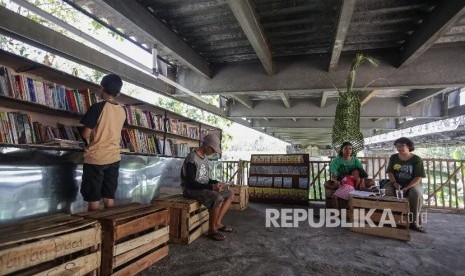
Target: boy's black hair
(361, 172)
(342, 147)
(407, 141)
(111, 84)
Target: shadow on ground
(253, 249)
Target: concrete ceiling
(271, 60)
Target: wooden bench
(57, 244)
(188, 218)
(241, 197)
(135, 236)
(398, 207)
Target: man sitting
(197, 185)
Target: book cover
(20, 128)
(27, 129)
(71, 100)
(31, 90)
(12, 127)
(36, 130)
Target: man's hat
(212, 141)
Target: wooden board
(134, 237)
(188, 218)
(399, 210)
(51, 244)
(241, 198)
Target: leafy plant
(347, 119)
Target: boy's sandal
(225, 228)
(418, 228)
(216, 236)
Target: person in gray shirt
(197, 185)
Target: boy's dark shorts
(99, 181)
(210, 199)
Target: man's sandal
(418, 228)
(216, 236)
(225, 228)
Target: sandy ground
(253, 249)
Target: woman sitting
(406, 171)
(343, 165)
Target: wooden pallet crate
(241, 197)
(134, 236)
(399, 209)
(57, 244)
(188, 218)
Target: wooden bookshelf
(141, 115)
(279, 178)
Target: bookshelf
(279, 178)
(39, 104)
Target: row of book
(139, 142)
(279, 182)
(18, 128)
(277, 159)
(155, 121)
(183, 129)
(144, 118)
(45, 93)
(175, 149)
(294, 170)
(278, 194)
(57, 96)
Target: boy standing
(103, 123)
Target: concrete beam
(345, 15)
(456, 111)
(249, 23)
(388, 124)
(419, 95)
(436, 68)
(441, 20)
(324, 97)
(243, 99)
(136, 16)
(285, 99)
(367, 96)
(28, 31)
(378, 108)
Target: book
(20, 128)
(27, 129)
(362, 193)
(64, 143)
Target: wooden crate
(188, 218)
(241, 197)
(57, 244)
(398, 207)
(134, 236)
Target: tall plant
(347, 119)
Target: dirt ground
(253, 249)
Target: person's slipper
(225, 228)
(216, 236)
(418, 228)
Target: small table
(389, 214)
